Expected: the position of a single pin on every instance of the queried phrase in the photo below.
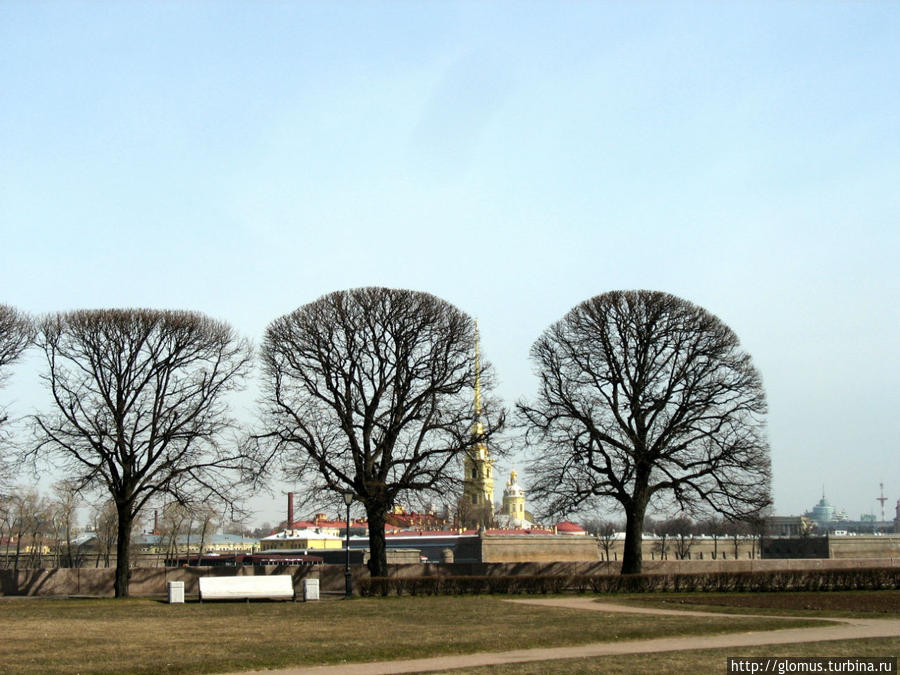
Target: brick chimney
(290, 513)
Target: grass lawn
(148, 636)
(700, 661)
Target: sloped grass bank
(146, 636)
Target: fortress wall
(864, 546)
(536, 548)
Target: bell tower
(477, 504)
(514, 498)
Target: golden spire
(477, 375)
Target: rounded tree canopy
(376, 373)
(646, 396)
(139, 396)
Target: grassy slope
(145, 636)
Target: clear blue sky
(514, 158)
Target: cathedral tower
(477, 504)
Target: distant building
(190, 544)
(305, 539)
(788, 526)
(411, 520)
(825, 516)
(513, 514)
(570, 528)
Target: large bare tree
(140, 408)
(371, 391)
(16, 333)
(644, 396)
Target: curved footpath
(846, 629)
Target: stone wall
(864, 546)
(537, 548)
(795, 547)
(837, 547)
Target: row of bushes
(880, 578)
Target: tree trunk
(632, 558)
(123, 549)
(377, 548)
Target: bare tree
(644, 396)
(661, 545)
(103, 519)
(16, 333)
(605, 531)
(176, 521)
(680, 531)
(371, 391)
(714, 527)
(207, 520)
(140, 408)
(743, 532)
(23, 520)
(64, 506)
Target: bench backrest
(269, 586)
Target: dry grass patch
(146, 636)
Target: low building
(303, 539)
(788, 526)
(569, 528)
(182, 544)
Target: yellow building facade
(301, 539)
(514, 498)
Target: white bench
(274, 586)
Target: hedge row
(879, 578)
(468, 585)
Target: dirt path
(847, 629)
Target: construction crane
(881, 499)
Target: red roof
(413, 519)
(569, 527)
